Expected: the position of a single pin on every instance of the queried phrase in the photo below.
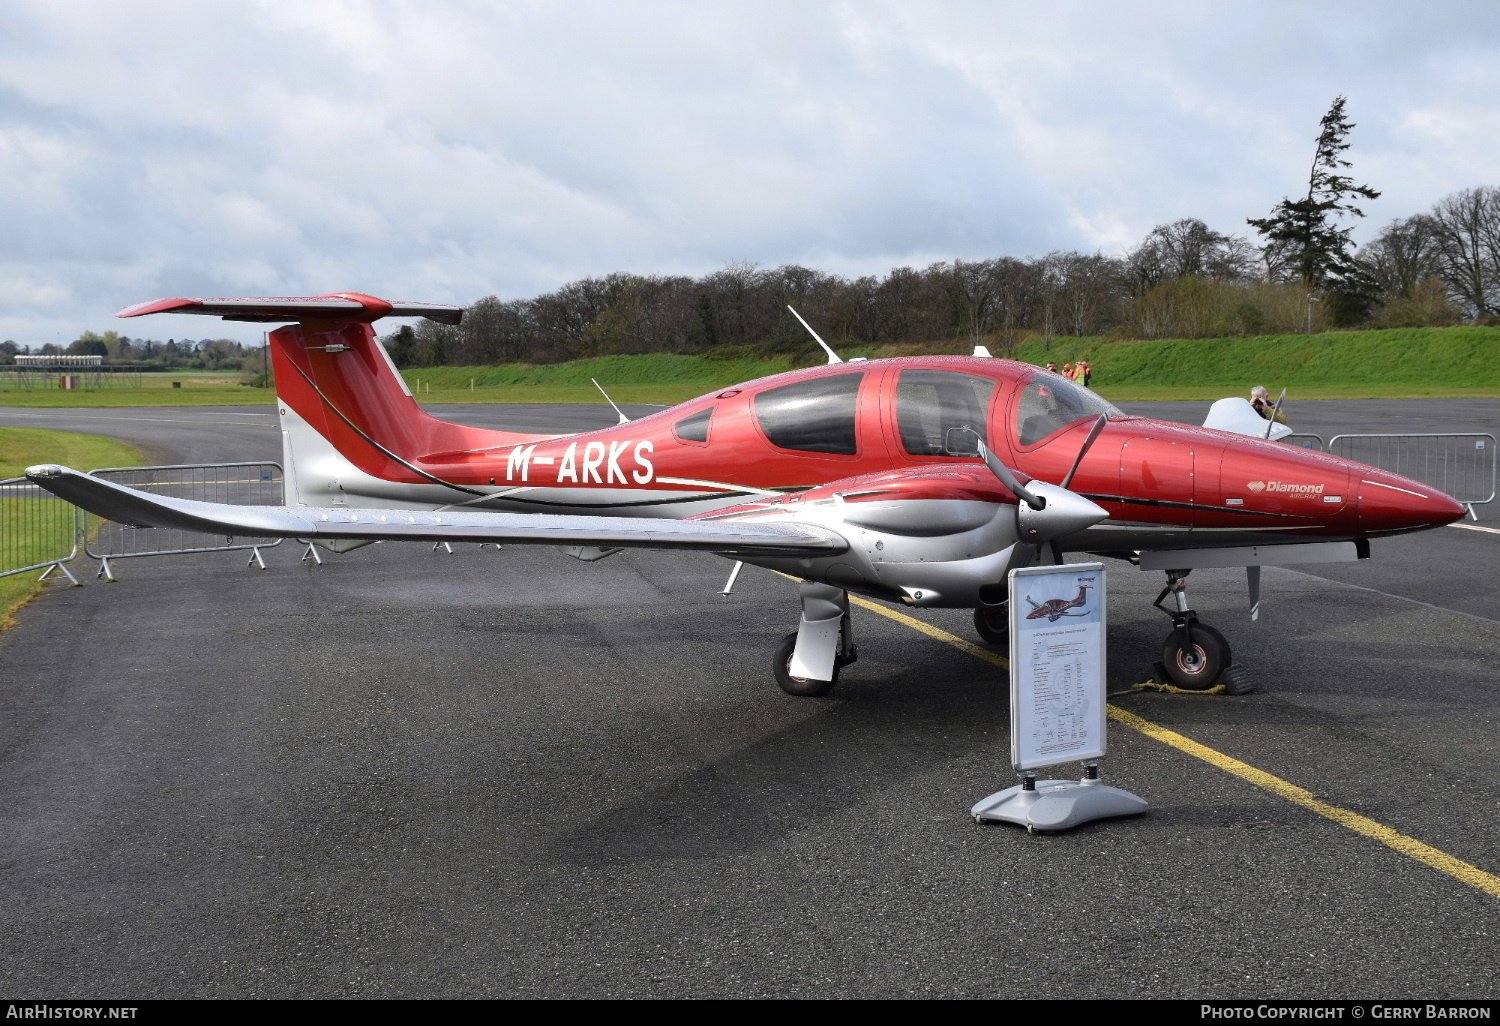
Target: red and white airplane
(921, 481)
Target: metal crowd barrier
(37, 530)
(1461, 464)
(1306, 441)
(242, 484)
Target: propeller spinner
(1046, 512)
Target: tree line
(212, 354)
(1184, 280)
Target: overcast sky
(445, 151)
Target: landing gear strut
(808, 660)
(1194, 654)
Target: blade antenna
(832, 356)
(1007, 478)
(623, 419)
(1093, 437)
(1275, 410)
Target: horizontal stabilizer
(339, 306)
(141, 509)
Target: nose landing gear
(1194, 655)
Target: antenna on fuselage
(623, 419)
(832, 356)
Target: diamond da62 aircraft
(921, 481)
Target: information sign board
(1057, 697)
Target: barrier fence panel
(240, 484)
(1305, 441)
(1463, 465)
(37, 530)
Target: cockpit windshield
(1050, 403)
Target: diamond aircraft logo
(1282, 486)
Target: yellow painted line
(1425, 853)
(1460, 870)
(977, 651)
(1476, 527)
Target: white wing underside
(1239, 416)
(141, 509)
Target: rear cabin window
(694, 428)
(931, 403)
(1051, 402)
(812, 416)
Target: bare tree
(1188, 247)
(1404, 255)
(1467, 231)
(1091, 288)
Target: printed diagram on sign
(1055, 609)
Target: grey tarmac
(512, 774)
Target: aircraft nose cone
(1390, 504)
(1066, 513)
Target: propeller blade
(1008, 478)
(1022, 555)
(1057, 555)
(1087, 442)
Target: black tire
(1198, 668)
(802, 687)
(992, 623)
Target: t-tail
(352, 432)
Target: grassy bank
(25, 536)
(1414, 361)
(1411, 362)
(1400, 362)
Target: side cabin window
(931, 403)
(812, 416)
(695, 427)
(1050, 402)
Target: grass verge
(27, 535)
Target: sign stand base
(1053, 805)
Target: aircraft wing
(1239, 416)
(141, 509)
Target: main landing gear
(1194, 655)
(808, 660)
(992, 623)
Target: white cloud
(447, 150)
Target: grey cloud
(445, 151)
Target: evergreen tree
(1306, 231)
